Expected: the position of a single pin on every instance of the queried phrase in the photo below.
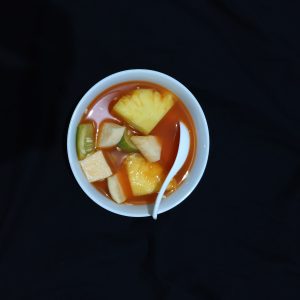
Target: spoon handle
(183, 150)
(160, 194)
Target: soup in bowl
(123, 139)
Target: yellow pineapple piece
(144, 108)
(145, 177)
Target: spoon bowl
(183, 151)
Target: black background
(237, 236)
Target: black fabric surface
(237, 236)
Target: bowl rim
(88, 189)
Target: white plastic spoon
(183, 151)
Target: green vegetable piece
(85, 140)
(126, 144)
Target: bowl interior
(202, 137)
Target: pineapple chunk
(149, 146)
(95, 167)
(115, 189)
(110, 134)
(145, 177)
(144, 108)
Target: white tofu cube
(95, 167)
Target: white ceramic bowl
(202, 150)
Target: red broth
(167, 130)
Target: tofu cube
(95, 167)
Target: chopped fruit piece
(85, 141)
(110, 134)
(115, 189)
(115, 158)
(144, 108)
(145, 177)
(125, 144)
(149, 146)
(172, 185)
(95, 167)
